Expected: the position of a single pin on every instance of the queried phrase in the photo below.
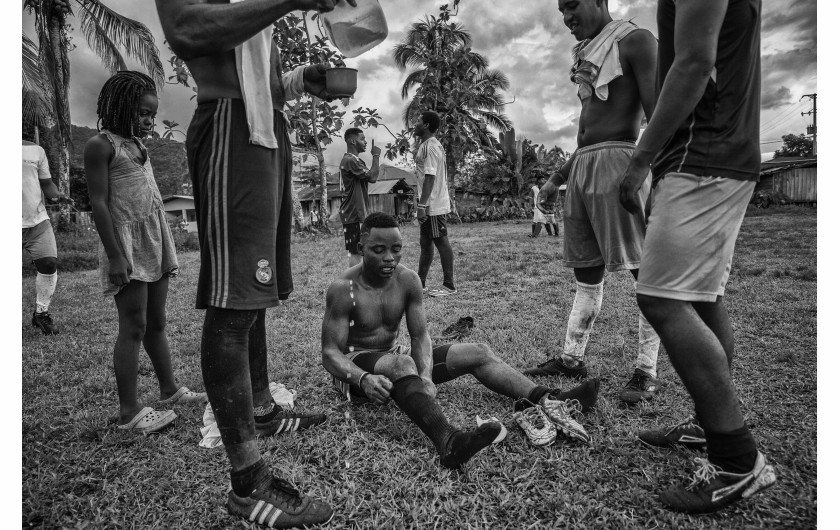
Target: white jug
(355, 30)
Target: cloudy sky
(526, 40)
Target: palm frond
(106, 31)
(36, 91)
(414, 78)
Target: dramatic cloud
(526, 40)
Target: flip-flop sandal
(183, 395)
(149, 420)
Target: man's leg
(427, 253)
(39, 242)
(411, 395)
(715, 316)
(701, 361)
(227, 379)
(45, 282)
(447, 261)
(454, 360)
(258, 366)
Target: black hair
(352, 131)
(431, 119)
(119, 99)
(378, 220)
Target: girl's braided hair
(119, 99)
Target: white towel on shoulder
(596, 61)
(253, 66)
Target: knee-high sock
(44, 289)
(411, 396)
(447, 261)
(585, 309)
(648, 347)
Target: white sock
(44, 289)
(585, 309)
(648, 347)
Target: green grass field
(370, 463)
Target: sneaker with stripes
(277, 504)
(279, 421)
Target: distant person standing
(355, 177)
(702, 142)
(38, 235)
(433, 205)
(542, 217)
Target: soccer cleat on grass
(44, 322)
(458, 330)
(713, 488)
(641, 386)
(686, 433)
(277, 504)
(463, 445)
(539, 430)
(559, 412)
(492, 419)
(558, 367)
(586, 394)
(279, 421)
(443, 291)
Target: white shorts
(691, 235)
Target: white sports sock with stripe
(44, 289)
(585, 310)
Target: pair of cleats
(712, 488)
(541, 422)
(640, 387)
(44, 322)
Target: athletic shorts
(367, 359)
(550, 219)
(352, 237)
(691, 235)
(434, 226)
(597, 230)
(39, 241)
(243, 206)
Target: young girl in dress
(137, 252)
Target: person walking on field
(355, 178)
(137, 252)
(703, 143)
(614, 68)
(38, 236)
(240, 163)
(542, 218)
(433, 204)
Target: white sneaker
(502, 434)
(538, 428)
(443, 291)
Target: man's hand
(634, 177)
(377, 388)
(374, 151)
(547, 197)
(315, 81)
(118, 271)
(421, 214)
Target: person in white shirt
(433, 205)
(38, 236)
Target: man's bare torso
(617, 118)
(375, 318)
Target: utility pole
(812, 129)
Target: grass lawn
(374, 467)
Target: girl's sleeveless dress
(139, 219)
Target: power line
(781, 119)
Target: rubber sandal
(183, 395)
(149, 420)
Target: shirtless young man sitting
(365, 306)
(614, 67)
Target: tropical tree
(456, 82)
(795, 145)
(47, 65)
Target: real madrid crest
(263, 271)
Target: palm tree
(454, 81)
(46, 67)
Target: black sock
(449, 285)
(732, 451)
(423, 282)
(536, 394)
(275, 410)
(410, 395)
(245, 481)
(586, 394)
